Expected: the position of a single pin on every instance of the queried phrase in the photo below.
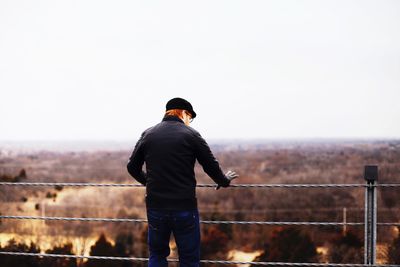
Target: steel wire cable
(202, 261)
(199, 185)
(202, 221)
(45, 218)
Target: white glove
(230, 175)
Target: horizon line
(111, 140)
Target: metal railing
(370, 220)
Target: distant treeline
(307, 163)
(285, 244)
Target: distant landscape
(257, 162)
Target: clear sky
(90, 69)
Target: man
(170, 150)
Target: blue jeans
(186, 229)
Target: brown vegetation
(340, 162)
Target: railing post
(371, 176)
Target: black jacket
(170, 150)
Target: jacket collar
(172, 118)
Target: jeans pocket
(186, 221)
(154, 226)
(154, 220)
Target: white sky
(252, 69)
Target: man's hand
(230, 175)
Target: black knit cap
(180, 103)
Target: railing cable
(203, 222)
(202, 261)
(199, 185)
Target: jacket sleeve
(209, 162)
(136, 162)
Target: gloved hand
(230, 175)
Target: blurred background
(285, 92)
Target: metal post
(344, 221)
(371, 176)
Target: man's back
(170, 150)
(170, 158)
